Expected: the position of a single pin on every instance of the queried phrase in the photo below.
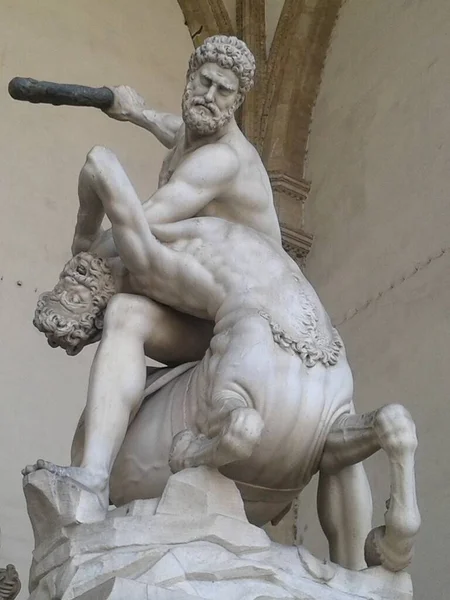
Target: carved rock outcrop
(193, 542)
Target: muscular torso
(209, 267)
(248, 199)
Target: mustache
(199, 101)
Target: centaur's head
(221, 71)
(71, 315)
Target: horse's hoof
(378, 552)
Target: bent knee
(98, 155)
(100, 161)
(396, 428)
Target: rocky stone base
(193, 543)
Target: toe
(29, 469)
(47, 466)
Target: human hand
(127, 104)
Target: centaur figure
(271, 402)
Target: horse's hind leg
(356, 437)
(233, 436)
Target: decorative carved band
(296, 243)
(290, 186)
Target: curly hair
(228, 52)
(74, 333)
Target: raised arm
(130, 106)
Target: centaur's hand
(128, 105)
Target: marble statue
(211, 168)
(271, 401)
(257, 382)
(238, 191)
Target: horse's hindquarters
(298, 406)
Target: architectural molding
(251, 27)
(297, 243)
(294, 73)
(290, 195)
(204, 18)
(278, 55)
(298, 189)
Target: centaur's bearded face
(71, 315)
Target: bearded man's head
(221, 71)
(71, 315)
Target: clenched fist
(127, 104)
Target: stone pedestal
(193, 542)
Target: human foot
(92, 481)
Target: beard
(207, 120)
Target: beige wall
(379, 162)
(139, 42)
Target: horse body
(297, 404)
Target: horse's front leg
(344, 507)
(356, 437)
(234, 431)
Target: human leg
(133, 325)
(344, 506)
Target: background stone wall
(379, 163)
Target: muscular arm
(164, 126)
(202, 176)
